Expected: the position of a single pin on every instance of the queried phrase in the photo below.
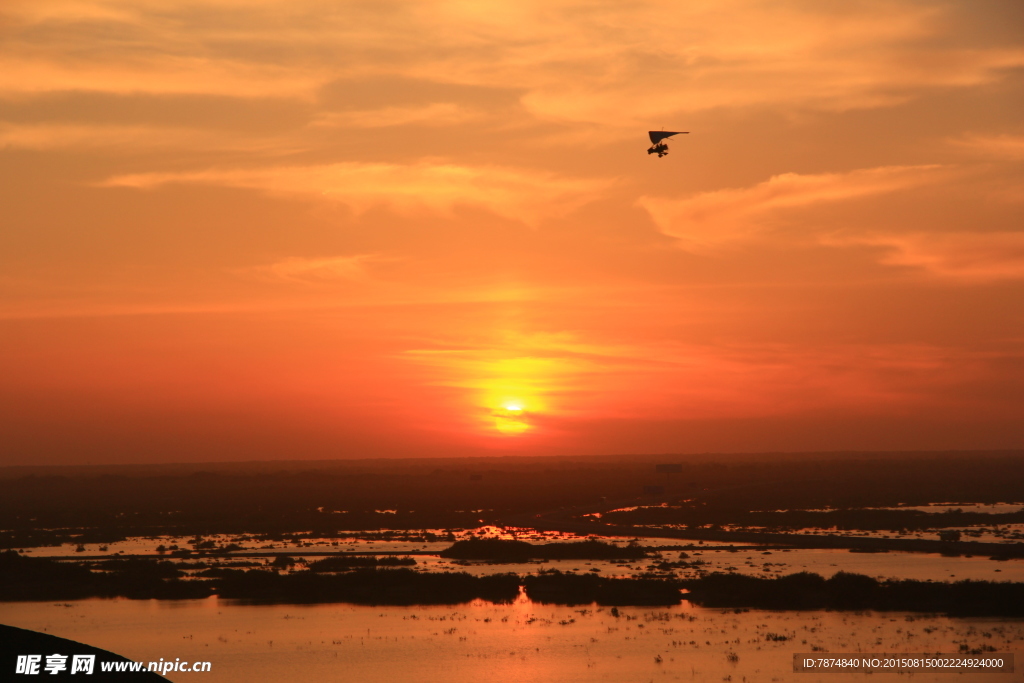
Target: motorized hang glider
(658, 144)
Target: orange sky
(249, 229)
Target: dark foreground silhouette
(18, 641)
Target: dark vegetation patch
(29, 579)
(845, 591)
(501, 550)
(369, 586)
(582, 589)
(33, 578)
(342, 563)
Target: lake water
(516, 643)
(526, 642)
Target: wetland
(568, 569)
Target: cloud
(434, 114)
(131, 138)
(518, 194)
(683, 381)
(611, 64)
(1003, 147)
(61, 136)
(714, 220)
(703, 56)
(778, 210)
(982, 256)
(115, 46)
(314, 270)
(166, 74)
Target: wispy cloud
(344, 185)
(434, 114)
(314, 270)
(669, 380)
(165, 74)
(776, 212)
(979, 256)
(1007, 147)
(135, 139)
(519, 194)
(713, 220)
(586, 61)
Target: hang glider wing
(659, 135)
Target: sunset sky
(255, 229)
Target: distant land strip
(812, 541)
(298, 552)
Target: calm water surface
(480, 641)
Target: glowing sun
(511, 419)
